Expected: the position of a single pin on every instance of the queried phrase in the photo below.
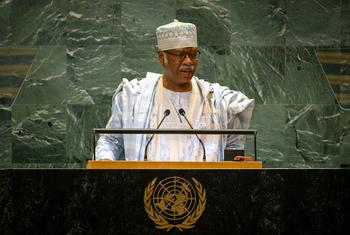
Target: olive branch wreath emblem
(163, 223)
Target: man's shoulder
(210, 86)
(220, 91)
(138, 85)
(150, 79)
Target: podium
(172, 165)
(93, 164)
(230, 201)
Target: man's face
(179, 65)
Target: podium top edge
(174, 131)
(172, 165)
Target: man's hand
(243, 158)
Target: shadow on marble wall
(84, 49)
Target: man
(142, 104)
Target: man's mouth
(187, 71)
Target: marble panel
(68, 91)
(344, 141)
(14, 65)
(46, 78)
(274, 149)
(209, 64)
(47, 82)
(95, 69)
(140, 20)
(48, 165)
(38, 22)
(336, 66)
(319, 134)
(5, 138)
(300, 136)
(5, 27)
(256, 71)
(258, 23)
(138, 60)
(212, 19)
(313, 23)
(78, 96)
(93, 23)
(305, 81)
(345, 24)
(81, 119)
(38, 133)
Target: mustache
(186, 68)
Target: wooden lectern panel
(172, 165)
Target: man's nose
(187, 60)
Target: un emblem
(174, 202)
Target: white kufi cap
(176, 35)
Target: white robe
(132, 107)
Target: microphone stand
(183, 113)
(166, 113)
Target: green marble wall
(84, 48)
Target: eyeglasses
(194, 55)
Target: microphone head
(166, 112)
(182, 112)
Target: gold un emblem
(174, 202)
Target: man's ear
(160, 57)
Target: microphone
(183, 113)
(166, 113)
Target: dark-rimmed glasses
(194, 55)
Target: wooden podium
(172, 165)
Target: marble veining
(51, 98)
